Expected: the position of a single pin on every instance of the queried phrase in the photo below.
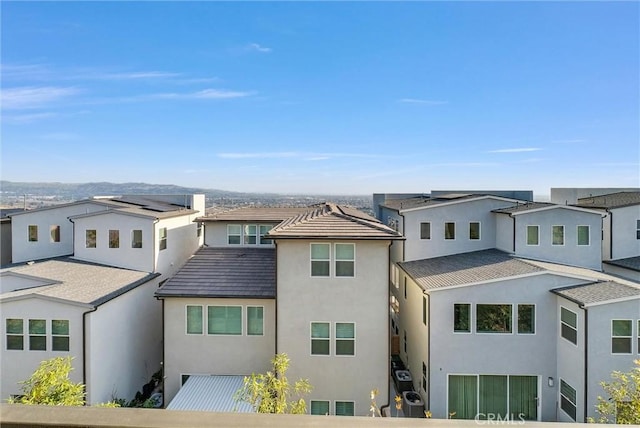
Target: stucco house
(311, 283)
(106, 318)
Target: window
(33, 233)
(194, 319)
(621, 336)
(250, 234)
(345, 408)
(320, 338)
(264, 229)
(568, 399)
(184, 378)
(345, 259)
(425, 230)
(404, 341)
(463, 396)
(37, 335)
(114, 239)
(345, 338)
(60, 335)
(15, 334)
(557, 235)
(319, 407)
(533, 235)
(637, 229)
(493, 318)
(424, 310)
(224, 320)
(424, 377)
(55, 233)
(583, 235)
(526, 319)
(234, 234)
(449, 230)
(255, 320)
(569, 325)
(404, 286)
(90, 238)
(474, 230)
(320, 259)
(162, 233)
(462, 318)
(136, 238)
(199, 230)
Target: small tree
(623, 404)
(50, 385)
(271, 392)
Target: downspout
(514, 232)
(73, 236)
(428, 406)
(153, 253)
(610, 234)
(84, 348)
(386, 405)
(164, 344)
(586, 361)
(276, 302)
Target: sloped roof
(225, 272)
(632, 263)
(466, 268)
(612, 200)
(434, 201)
(77, 281)
(332, 221)
(210, 394)
(539, 206)
(599, 293)
(255, 214)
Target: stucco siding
(182, 242)
(623, 232)
(362, 300)
(214, 354)
(504, 232)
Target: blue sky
(323, 97)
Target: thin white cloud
(272, 155)
(299, 155)
(317, 158)
(258, 48)
(206, 94)
(421, 101)
(465, 164)
(60, 136)
(572, 141)
(516, 150)
(27, 118)
(136, 75)
(28, 97)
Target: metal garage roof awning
(210, 394)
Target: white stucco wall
(23, 250)
(182, 242)
(623, 233)
(124, 344)
(206, 354)
(17, 366)
(504, 232)
(362, 300)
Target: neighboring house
(544, 231)
(485, 336)
(5, 234)
(105, 318)
(311, 283)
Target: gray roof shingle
(466, 268)
(598, 292)
(225, 272)
(612, 200)
(255, 214)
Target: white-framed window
(449, 230)
(194, 319)
(60, 335)
(474, 230)
(462, 318)
(621, 336)
(55, 233)
(568, 399)
(114, 238)
(320, 338)
(224, 320)
(136, 238)
(425, 230)
(320, 260)
(345, 408)
(250, 234)
(533, 234)
(526, 319)
(15, 334)
(162, 235)
(583, 233)
(345, 338)
(319, 407)
(90, 236)
(494, 318)
(37, 335)
(569, 325)
(345, 260)
(264, 230)
(557, 235)
(255, 320)
(33, 233)
(234, 234)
